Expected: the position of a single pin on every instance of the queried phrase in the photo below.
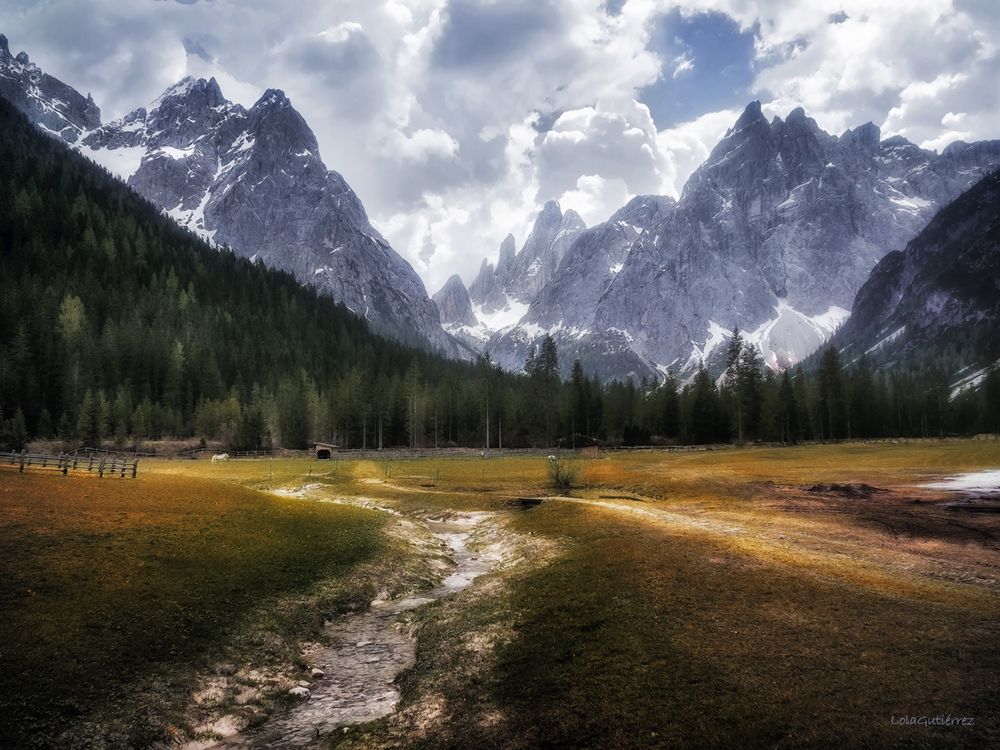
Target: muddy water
(368, 651)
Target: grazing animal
(220, 457)
(552, 459)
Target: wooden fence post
(135, 467)
(22, 461)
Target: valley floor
(796, 597)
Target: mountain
(250, 179)
(565, 307)
(937, 302)
(487, 289)
(774, 233)
(49, 102)
(453, 303)
(518, 277)
(524, 275)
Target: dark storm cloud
(477, 34)
(346, 64)
(195, 45)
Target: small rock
(227, 669)
(299, 692)
(316, 673)
(373, 659)
(302, 684)
(362, 644)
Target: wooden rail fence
(103, 466)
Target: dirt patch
(852, 491)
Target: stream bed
(368, 651)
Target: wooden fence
(102, 465)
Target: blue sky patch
(707, 66)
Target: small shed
(324, 451)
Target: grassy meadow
(115, 592)
(733, 598)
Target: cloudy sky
(454, 120)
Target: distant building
(324, 451)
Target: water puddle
(979, 491)
(977, 483)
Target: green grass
(114, 592)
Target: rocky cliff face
(938, 296)
(524, 275)
(566, 306)
(774, 233)
(47, 101)
(250, 179)
(453, 303)
(518, 277)
(487, 290)
(457, 316)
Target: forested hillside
(117, 325)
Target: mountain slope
(250, 179)
(938, 300)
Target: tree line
(116, 325)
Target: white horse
(220, 457)
(552, 459)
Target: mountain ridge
(774, 233)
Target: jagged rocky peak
(552, 234)
(486, 290)
(279, 127)
(57, 108)
(868, 136)
(508, 251)
(744, 154)
(453, 303)
(752, 115)
(191, 92)
(775, 233)
(571, 221)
